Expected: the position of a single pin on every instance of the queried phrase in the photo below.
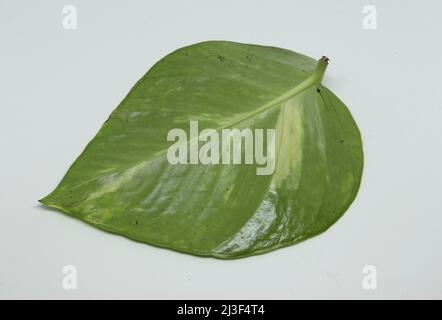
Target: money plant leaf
(124, 182)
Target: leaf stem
(314, 79)
(318, 74)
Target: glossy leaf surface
(123, 182)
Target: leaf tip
(325, 60)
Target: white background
(58, 86)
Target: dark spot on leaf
(318, 90)
(221, 58)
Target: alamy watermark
(69, 281)
(370, 20)
(223, 147)
(70, 18)
(370, 279)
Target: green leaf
(123, 182)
